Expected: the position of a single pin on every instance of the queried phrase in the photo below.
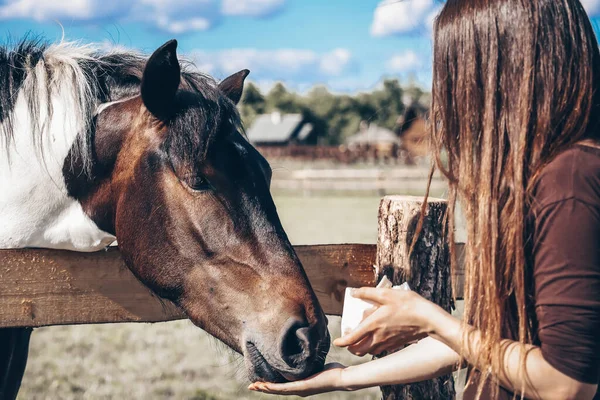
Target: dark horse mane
(37, 70)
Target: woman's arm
(425, 360)
(402, 316)
(540, 380)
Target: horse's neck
(35, 210)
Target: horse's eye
(198, 183)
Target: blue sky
(349, 45)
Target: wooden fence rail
(52, 287)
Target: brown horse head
(188, 199)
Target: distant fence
(385, 153)
(376, 180)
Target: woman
(516, 106)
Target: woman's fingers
(355, 336)
(279, 388)
(366, 327)
(322, 382)
(395, 344)
(371, 294)
(386, 347)
(368, 312)
(362, 347)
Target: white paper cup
(354, 309)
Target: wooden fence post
(427, 271)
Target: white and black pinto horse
(96, 147)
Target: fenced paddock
(47, 287)
(365, 180)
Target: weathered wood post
(427, 271)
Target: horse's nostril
(295, 343)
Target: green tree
(252, 104)
(280, 99)
(334, 117)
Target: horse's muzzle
(299, 352)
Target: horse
(99, 146)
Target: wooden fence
(380, 154)
(53, 287)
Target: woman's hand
(327, 381)
(399, 317)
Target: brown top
(566, 265)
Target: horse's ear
(233, 86)
(161, 79)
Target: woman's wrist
(442, 326)
(433, 316)
(346, 382)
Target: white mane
(54, 104)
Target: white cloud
(335, 62)
(592, 7)
(408, 61)
(280, 64)
(79, 10)
(183, 26)
(299, 69)
(178, 16)
(394, 17)
(253, 8)
(174, 16)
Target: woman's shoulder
(573, 174)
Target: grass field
(177, 360)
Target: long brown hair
(515, 82)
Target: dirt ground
(174, 360)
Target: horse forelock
(204, 116)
